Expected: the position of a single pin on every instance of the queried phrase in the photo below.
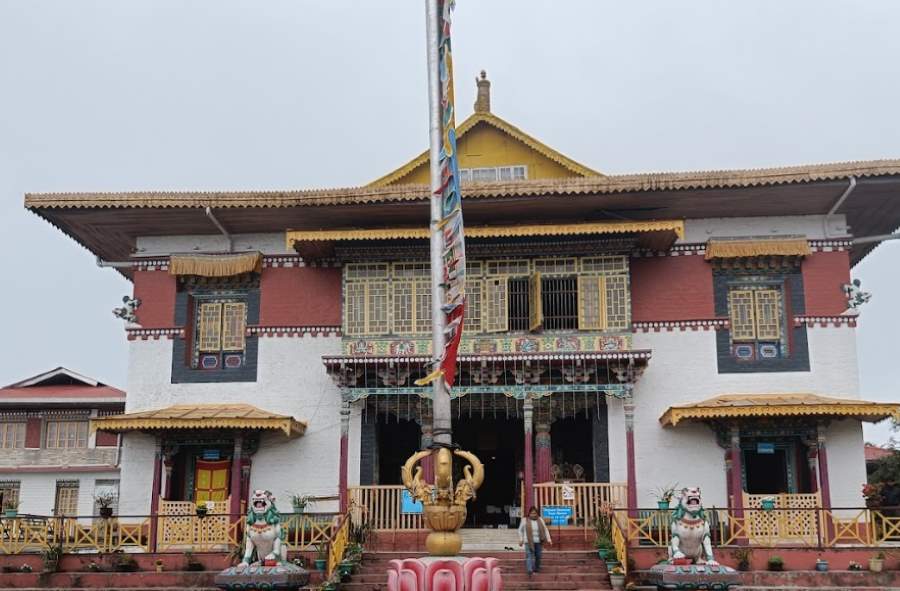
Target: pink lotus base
(455, 573)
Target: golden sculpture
(444, 507)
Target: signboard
(408, 504)
(568, 492)
(765, 448)
(558, 515)
(211, 454)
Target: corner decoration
(127, 311)
(856, 297)
(264, 562)
(691, 563)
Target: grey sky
(182, 95)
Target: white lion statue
(690, 530)
(263, 531)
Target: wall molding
(294, 331)
(154, 333)
(825, 321)
(680, 325)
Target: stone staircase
(561, 571)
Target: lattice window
(559, 266)
(618, 308)
(767, 305)
(474, 268)
(12, 435)
(9, 492)
(234, 325)
(66, 498)
(67, 434)
(755, 314)
(592, 305)
(743, 317)
(494, 173)
(366, 270)
(496, 297)
(474, 297)
(209, 329)
(508, 267)
(412, 270)
(376, 307)
(605, 264)
(412, 306)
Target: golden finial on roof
(483, 99)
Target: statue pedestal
(692, 576)
(445, 573)
(258, 576)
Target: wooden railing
(380, 507)
(586, 499)
(620, 543)
(338, 542)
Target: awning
(731, 249)
(215, 265)
(201, 416)
(657, 234)
(728, 406)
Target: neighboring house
(622, 332)
(50, 461)
(875, 453)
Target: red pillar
(728, 482)
(154, 495)
(528, 481)
(813, 458)
(824, 485)
(542, 444)
(629, 456)
(343, 465)
(234, 492)
(168, 464)
(737, 473)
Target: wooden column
(728, 470)
(737, 473)
(154, 494)
(344, 463)
(813, 459)
(528, 480)
(542, 444)
(234, 492)
(630, 467)
(824, 484)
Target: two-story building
(50, 461)
(622, 332)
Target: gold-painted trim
(675, 226)
(731, 249)
(157, 419)
(215, 265)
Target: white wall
(270, 243)
(683, 369)
(291, 380)
(37, 491)
(811, 226)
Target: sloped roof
(875, 453)
(502, 125)
(59, 375)
(779, 405)
(60, 386)
(201, 416)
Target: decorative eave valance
(732, 249)
(749, 406)
(201, 416)
(215, 265)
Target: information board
(558, 515)
(408, 504)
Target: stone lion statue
(690, 530)
(263, 531)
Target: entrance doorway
(775, 466)
(201, 473)
(498, 443)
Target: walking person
(533, 533)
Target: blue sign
(558, 515)
(211, 454)
(765, 448)
(408, 504)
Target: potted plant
(158, 563)
(664, 496)
(126, 563)
(299, 502)
(345, 568)
(617, 578)
(775, 563)
(743, 557)
(321, 556)
(821, 565)
(767, 503)
(202, 510)
(611, 563)
(854, 565)
(10, 508)
(876, 563)
(603, 535)
(105, 501)
(51, 557)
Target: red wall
(671, 288)
(300, 296)
(823, 275)
(106, 439)
(156, 290)
(33, 433)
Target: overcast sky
(187, 95)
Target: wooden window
(234, 325)
(535, 307)
(518, 303)
(755, 314)
(367, 300)
(67, 434)
(9, 492)
(605, 264)
(12, 435)
(474, 298)
(496, 297)
(517, 172)
(209, 329)
(592, 306)
(508, 267)
(558, 266)
(66, 498)
(618, 308)
(221, 326)
(412, 306)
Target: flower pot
(663, 505)
(611, 564)
(10, 513)
(617, 581)
(876, 564)
(822, 566)
(603, 553)
(320, 564)
(299, 508)
(106, 512)
(345, 567)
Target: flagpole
(440, 396)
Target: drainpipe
(860, 239)
(209, 214)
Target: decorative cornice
(680, 325)
(839, 245)
(154, 333)
(268, 261)
(825, 321)
(294, 331)
(676, 250)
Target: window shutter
(234, 326)
(403, 305)
(210, 330)
(377, 307)
(592, 302)
(535, 311)
(768, 314)
(354, 308)
(422, 303)
(496, 295)
(741, 313)
(473, 305)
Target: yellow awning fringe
(215, 265)
(730, 249)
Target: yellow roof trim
(507, 128)
(215, 265)
(201, 416)
(675, 226)
(731, 249)
(778, 405)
